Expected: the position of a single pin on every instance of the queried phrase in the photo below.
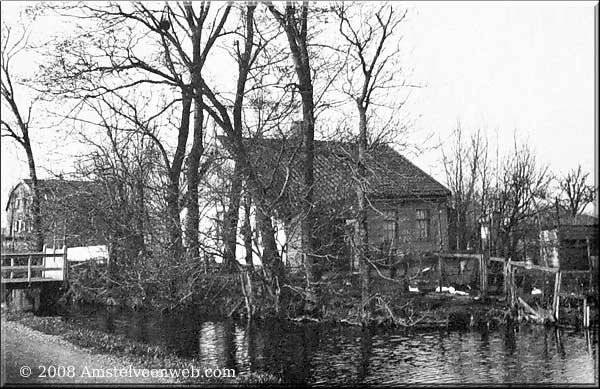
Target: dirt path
(24, 348)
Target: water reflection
(320, 354)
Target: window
(423, 224)
(389, 226)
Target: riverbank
(66, 344)
(32, 357)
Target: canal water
(326, 354)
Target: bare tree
(575, 192)
(370, 69)
(18, 127)
(521, 184)
(112, 56)
(466, 174)
(294, 21)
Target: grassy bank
(220, 294)
(142, 354)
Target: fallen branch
(530, 311)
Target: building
(570, 242)
(407, 207)
(70, 214)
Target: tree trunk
(270, 256)
(307, 224)
(35, 204)
(232, 219)
(362, 224)
(172, 197)
(173, 222)
(247, 230)
(193, 178)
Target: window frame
(390, 218)
(423, 215)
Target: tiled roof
(389, 174)
(60, 188)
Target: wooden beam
(65, 264)
(556, 299)
(36, 267)
(27, 255)
(527, 266)
(29, 269)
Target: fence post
(29, 268)
(589, 255)
(65, 265)
(507, 279)
(585, 313)
(556, 300)
(484, 273)
(513, 287)
(43, 273)
(440, 274)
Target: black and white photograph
(295, 193)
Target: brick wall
(405, 225)
(406, 230)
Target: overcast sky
(502, 67)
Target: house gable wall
(406, 235)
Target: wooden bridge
(25, 270)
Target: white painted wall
(74, 254)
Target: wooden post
(556, 300)
(440, 272)
(29, 269)
(591, 280)
(43, 273)
(585, 314)
(506, 281)
(484, 284)
(65, 265)
(513, 290)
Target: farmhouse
(407, 207)
(69, 212)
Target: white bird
(413, 288)
(536, 291)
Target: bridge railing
(28, 267)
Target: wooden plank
(527, 266)
(578, 296)
(459, 255)
(26, 255)
(575, 272)
(25, 281)
(530, 310)
(7, 269)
